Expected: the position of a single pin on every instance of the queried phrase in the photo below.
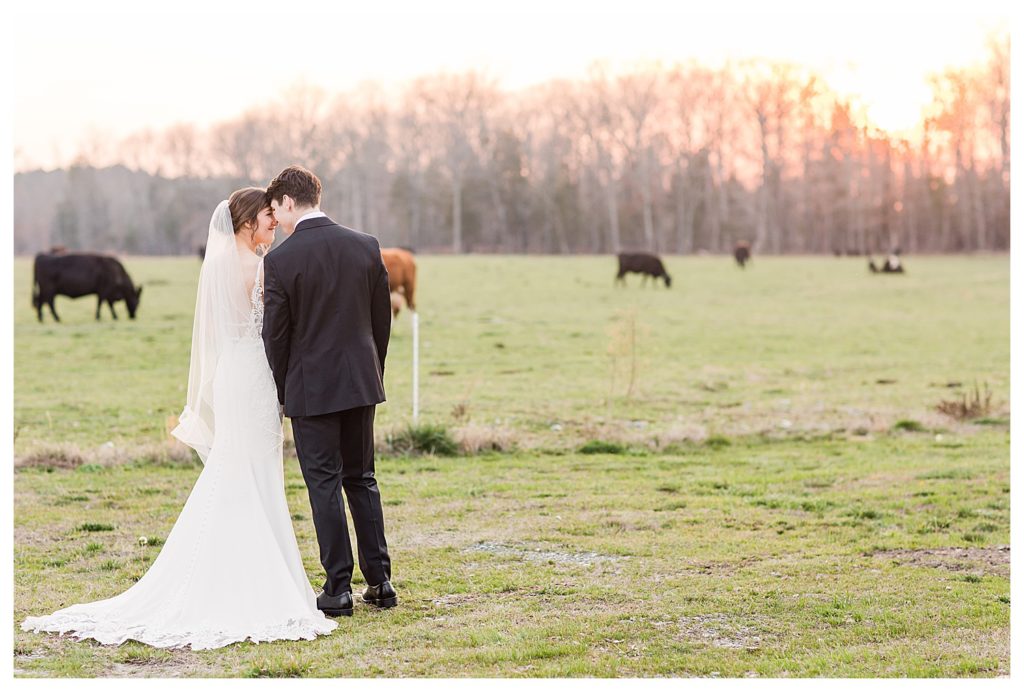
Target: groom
(326, 323)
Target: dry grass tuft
(474, 438)
(52, 456)
(972, 404)
(70, 456)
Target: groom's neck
(299, 213)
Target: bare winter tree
(603, 130)
(457, 110)
(682, 158)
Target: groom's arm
(276, 325)
(380, 312)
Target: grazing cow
(892, 265)
(644, 263)
(401, 276)
(77, 275)
(396, 303)
(742, 253)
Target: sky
(115, 70)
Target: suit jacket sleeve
(276, 325)
(380, 311)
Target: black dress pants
(335, 452)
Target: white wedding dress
(230, 569)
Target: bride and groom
(300, 332)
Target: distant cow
(892, 265)
(396, 303)
(742, 253)
(644, 263)
(77, 275)
(401, 276)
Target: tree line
(680, 158)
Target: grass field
(776, 493)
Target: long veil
(222, 312)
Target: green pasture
(745, 475)
(531, 343)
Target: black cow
(892, 265)
(742, 253)
(77, 275)
(642, 263)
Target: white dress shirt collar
(309, 215)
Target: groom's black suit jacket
(327, 318)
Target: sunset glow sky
(108, 74)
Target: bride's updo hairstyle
(245, 205)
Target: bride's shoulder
(250, 262)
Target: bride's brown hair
(245, 205)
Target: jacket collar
(314, 223)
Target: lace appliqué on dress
(82, 626)
(254, 328)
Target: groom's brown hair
(298, 183)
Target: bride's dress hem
(230, 569)
(108, 633)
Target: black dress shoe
(333, 606)
(382, 596)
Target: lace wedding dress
(230, 569)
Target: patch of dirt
(541, 555)
(179, 665)
(874, 480)
(455, 600)
(724, 567)
(981, 645)
(153, 669)
(718, 630)
(994, 560)
(442, 538)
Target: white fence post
(415, 367)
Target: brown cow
(396, 303)
(401, 276)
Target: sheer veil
(222, 312)
(232, 545)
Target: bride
(230, 568)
